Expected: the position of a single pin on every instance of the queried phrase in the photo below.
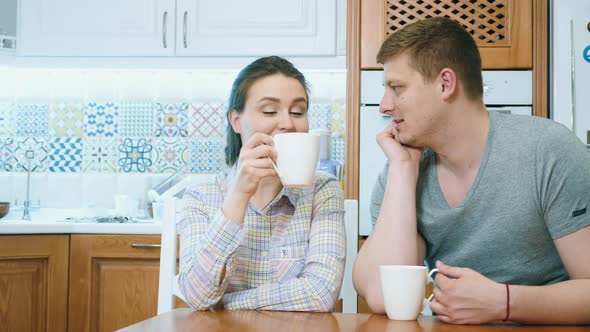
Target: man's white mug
(403, 288)
(297, 158)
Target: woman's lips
(397, 122)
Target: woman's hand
(254, 164)
(395, 151)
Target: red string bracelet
(507, 303)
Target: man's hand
(464, 296)
(394, 150)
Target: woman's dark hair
(246, 77)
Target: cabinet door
(256, 28)
(96, 28)
(33, 282)
(113, 281)
(501, 29)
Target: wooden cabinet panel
(113, 283)
(502, 29)
(33, 282)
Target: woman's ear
(234, 120)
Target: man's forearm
(566, 302)
(394, 239)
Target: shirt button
(264, 253)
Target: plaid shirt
(288, 256)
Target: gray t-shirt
(532, 187)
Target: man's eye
(297, 114)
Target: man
(501, 199)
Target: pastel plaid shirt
(288, 256)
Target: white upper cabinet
(96, 28)
(256, 28)
(202, 28)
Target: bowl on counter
(4, 208)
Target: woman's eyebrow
(273, 99)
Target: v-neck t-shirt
(532, 187)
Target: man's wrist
(403, 171)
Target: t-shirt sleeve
(563, 181)
(378, 193)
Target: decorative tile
(31, 119)
(65, 154)
(101, 119)
(208, 120)
(6, 154)
(136, 119)
(207, 156)
(135, 155)
(171, 154)
(30, 148)
(66, 119)
(171, 120)
(338, 120)
(319, 116)
(339, 149)
(99, 155)
(7, 111)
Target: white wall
(8, 17)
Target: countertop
(52, 221)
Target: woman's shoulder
(326, 182)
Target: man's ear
(234, 121)
(448, 82)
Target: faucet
(27, 203)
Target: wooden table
(269, 321)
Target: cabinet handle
(164, 25)
(184, 28)
(144, 245)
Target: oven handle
(573, 77)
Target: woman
(246, 241)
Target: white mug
(403, 288)
(297, 158)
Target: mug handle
(427, 301)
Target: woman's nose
(286, 122)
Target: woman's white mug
(297, 158)
(403, 288)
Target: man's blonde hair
(436, 43)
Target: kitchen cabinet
(178, 28)
(96, 28)
(501, 29)
(33, 282)
(113, 281)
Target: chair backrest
(168, 284)
(348, 292)
(168, 287)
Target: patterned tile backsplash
(130, 136)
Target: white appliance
(504, 91)
(570, 65)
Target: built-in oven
(504, 91)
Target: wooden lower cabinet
(113, 281)
(33, 282)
